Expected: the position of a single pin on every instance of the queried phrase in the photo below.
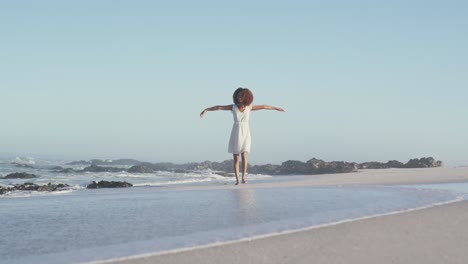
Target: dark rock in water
(166, 166)
(52, 187)
(223, 166)
(205, 165)
(80, 162)
(142, 168)
(117, 162)
(4, 190)
(208, 165)
(66, 170)
(20, 175)
(63, 170)
(56, 168)
(28, 186)
(108, 184)
(94, 168)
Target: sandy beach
(433, 235)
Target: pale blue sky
(360, 80)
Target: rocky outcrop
(142, 168)
(380, 165)
(423, 163)
(20, 175)
(79, 162)
(108, 184)
(95, 168)
(28, 186)
(98, 162)
(395, 164)
(293, 167)
(290, 167)
(117, 162)
(4, 189)
(65, 170)
(316, 166)
(428, 162)
(268, 169)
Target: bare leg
(244, 166)
(236, 167)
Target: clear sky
(359, 80)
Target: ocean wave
(24, 160)
(23, 194)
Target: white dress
(240, 133)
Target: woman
(239, 142)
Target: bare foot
(244, 181)
(237, 183)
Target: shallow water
(78, 180)
(90, 225)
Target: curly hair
(242, 97)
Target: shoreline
(362, 177)
(130, 259)
(398, 237)
(324, 243)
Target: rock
(52, 187)
(321, 167)
(94, 168)
(59, 169)
(373, 165)
(315, 166)
(99, 162)
(226, 165)
(290, 167)
(4, 190)
(20, 175)
(80, 162)
(294, 167)
(142, 168)
(56, 168)
(118, 162)
(108, 184)
(65, 170)
(167, 166)
(414, 163)
(428, 162)
(29, 186)
(268, 169)
(395, 164)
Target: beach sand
(437, 234)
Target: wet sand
(433, 235)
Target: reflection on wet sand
(247, 205)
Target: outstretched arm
(215, 108)
(266, 107)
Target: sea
(156, 215)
